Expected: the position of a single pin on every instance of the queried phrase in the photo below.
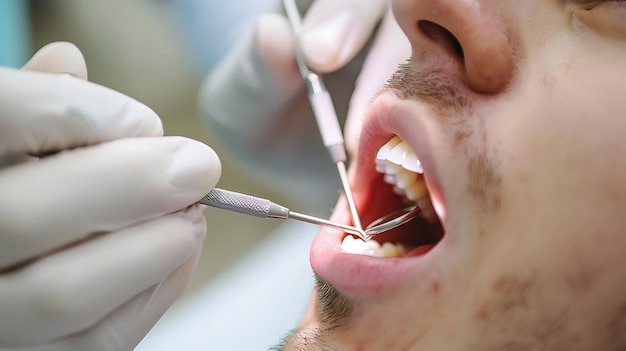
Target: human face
(517, 112)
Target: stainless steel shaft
(264, 208)
(323, 110)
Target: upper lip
(388, 116)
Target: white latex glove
(97, 240)
(255, 98)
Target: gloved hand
(256, 101)
(98, 238)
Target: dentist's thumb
(58, 57)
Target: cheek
(579, 117)
(562, 148)
(565, 284)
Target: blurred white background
(138, 48)
(253, 279)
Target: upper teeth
(404, 171)
(399, 153)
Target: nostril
(441, 35)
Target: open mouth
(403, 175)
(395, 168)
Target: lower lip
(353, 273)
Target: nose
(465, 31)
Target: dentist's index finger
(45, 112)
(99, 189)
(334, 31)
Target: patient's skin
(520, 106)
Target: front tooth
(398, 153)
(373, 244)
(356, 246)
(412, 163)
(384, 151)
(371, 247)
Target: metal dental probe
(324, 111)
(259, 207)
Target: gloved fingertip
(138, 119)
(323, 44)
(195, 168)
(274, 42)
(334, 32)
(58, 57)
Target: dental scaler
(263, 208)
(324, 111)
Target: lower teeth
(371, 247)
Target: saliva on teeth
(357, 246)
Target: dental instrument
(259, 207)
(264, 208)
(324, 111)
(391, 221)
